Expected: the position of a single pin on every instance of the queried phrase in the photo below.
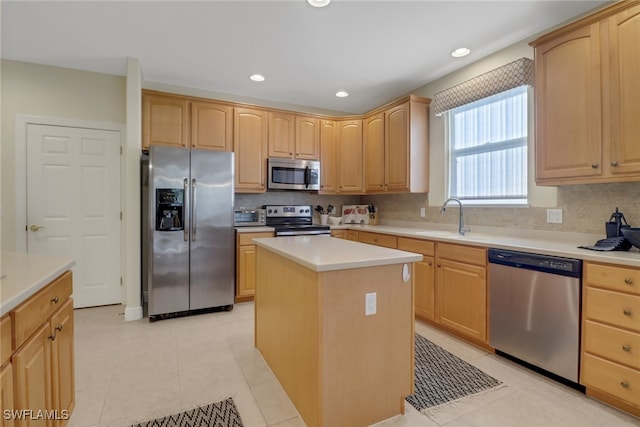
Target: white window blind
(488, 149)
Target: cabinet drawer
(246, 238)
(5, 339)
(613, 308)
(424, 247)
(28, 317)
(465, 254)
(378, 239)
(612, 343)
(611, 378)
(613, 277)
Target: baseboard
(133, 313)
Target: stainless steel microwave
(293, 174)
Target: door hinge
(121, 150)
(121, 281)
(120, 215)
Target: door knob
(35, 228)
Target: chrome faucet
(461, 229)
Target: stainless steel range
(294, 220)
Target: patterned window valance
(514, 74)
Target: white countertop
(542, 242)
(25, 274)
(327, 254)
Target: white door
(73, 206)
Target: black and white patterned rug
(441, 377)
(221, 414)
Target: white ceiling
(375, 50)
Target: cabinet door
(350, 177)
(250, 147)
(624, 37)
(374, 153)
(397, 148)
(246, 270)
(6, 394)
(328, 157)
(164, 121)
(425, 288)
(211, 126)
(281, 135)
(32, 364)
(307, 138)
(339, 234)
(62, 358)
(568, 107)
(462, 300)
(352, 235)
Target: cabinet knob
(614, 163)
(430, 263)
(628, 281)
(55, 300)
(52, 337)
(439, 265)
(626, 312)
(595, 165)
(624, 384)
(626, 348)
(59, 327)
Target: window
(488, 149)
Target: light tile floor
(135, 371)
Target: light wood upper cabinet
(307, 138)
(586, 99)
(350, 159)
(211, 126)
(328, 156)
(250, 147)
(164, 120)
(281, 135)
(294, 137)
(396, 147)
(624, 84)
(374, 153)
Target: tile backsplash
(585, 208)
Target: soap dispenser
(614, 224)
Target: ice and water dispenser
(169, 209)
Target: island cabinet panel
(610, 362)
(6, 394)
(332, 360)
(461, 290)
(250, 147)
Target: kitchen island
(334, 321)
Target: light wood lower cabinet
(40, 376)
(610, 362)
(424, 276)
(339, 234)
(246, 265)
(378, 239)
(461, 290)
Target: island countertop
(25, 274)
(327, 254)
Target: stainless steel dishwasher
(534, 303)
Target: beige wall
(38, 90)
(585, 207)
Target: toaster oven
(243, 217)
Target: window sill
(496, 203)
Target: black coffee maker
(614, 224)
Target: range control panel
(301, 211)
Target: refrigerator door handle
(185, 209)
(193, 210)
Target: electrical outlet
(423, 212)
(370, 304)
(554, 216)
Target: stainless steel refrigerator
(188, 238)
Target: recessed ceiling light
(318, 3)
(460, 52)
(342, 94)
(257, 77)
